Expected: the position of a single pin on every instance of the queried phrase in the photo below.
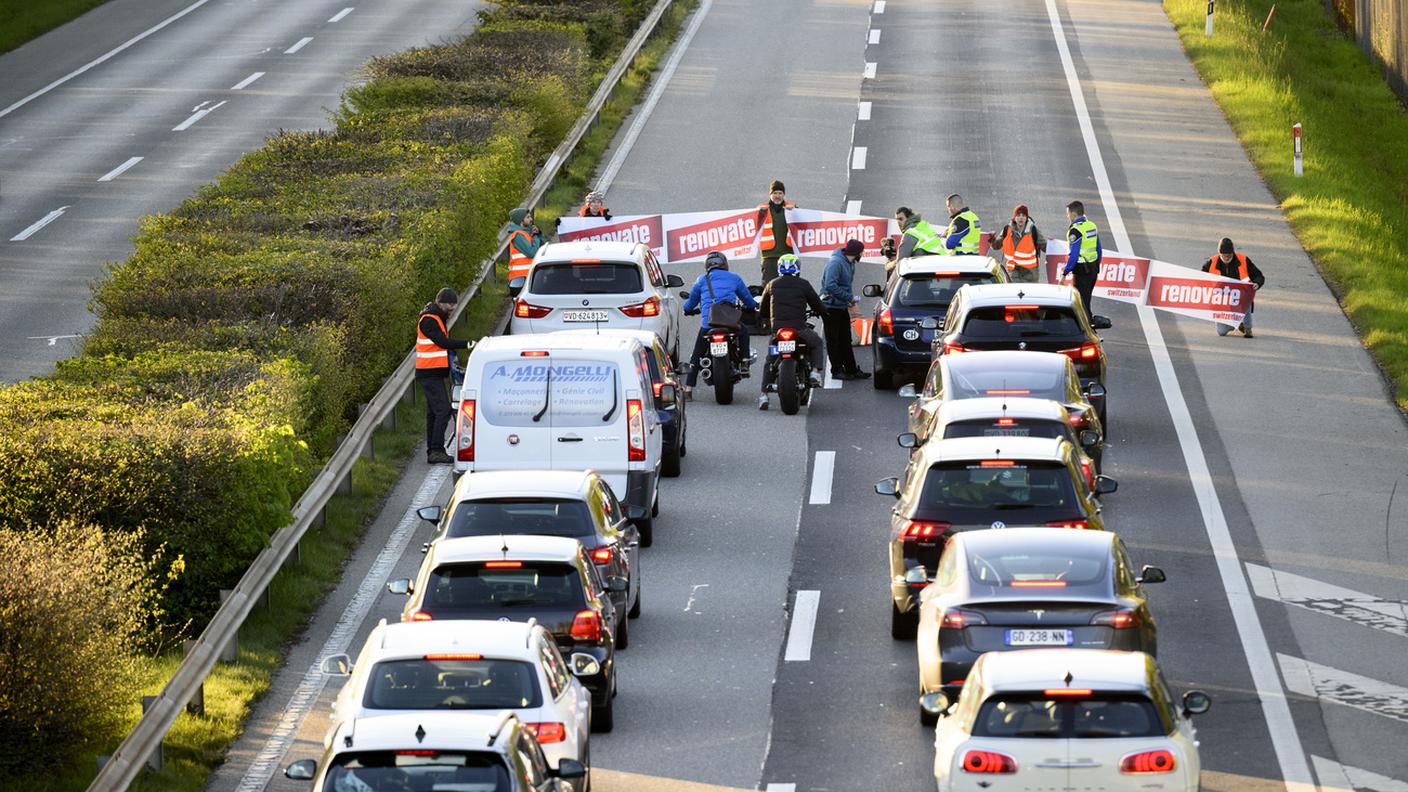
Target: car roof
(928, 265)
(595, 249)
(960, 449)
(556, 342)
(1001, 407)
(520, 547)
(448, 730)
(414, 639)
(988, 294)
(523, 484)
(1041, 669)
(988, 541)
(998, 359)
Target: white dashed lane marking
(119, 170)
(799, 637)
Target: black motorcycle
(789, 367)
(724, 361)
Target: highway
(128, 109)
(1260, 474)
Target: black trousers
(1083, 278)
(435, 383)
(837, 324)
(769, 269)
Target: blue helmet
(789, 265)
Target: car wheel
(604, 714)
(655, 506)
(670, 464)
(623, 634)
(634, 612)
(883, 379)
(646, 529)
(903, 625)
(925, 719)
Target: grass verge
(1350, 209)
(28, 19)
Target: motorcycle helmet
(715, 260)
(789, 265)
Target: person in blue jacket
(727, 287)
(836, 295)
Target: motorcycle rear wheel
(722, 380)
(787, 389)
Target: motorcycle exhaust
(705, 363)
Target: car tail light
(656, 386)
(1066, 692)
(503, 564)
(1079, 525)
(988, 762)
(533, 353)
(1148, 762)
(601, 555)
(958, 618)
(997, 463)
(885, 323)
(1119, 618)
(919, 532)
(786, 334)
(417, 752)
(718, 337)
(1008, 391)
(526, 310)
(635, 420)
(464, 433)
(586, 626)
(548, 732)
(454, 657)
(1038, 584)
(953, 346)
(650, 307)
(1087, 351)
(1006, 421)
(1078, 419)
(1088, 471)
(1023, 307)
(419, 616)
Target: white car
(435, 750)
(459, 666)
(1066, 719)
(582, 285)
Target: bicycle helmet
(789, 265)
(715, 260)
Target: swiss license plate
(717, 348)
(585, 316)
(1038, 637)
(1019, 432)
(786, 346)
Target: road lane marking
(799, 637)
(246, 82)
(54, 339)
(1285, 740)
(102, 58)
(119, 170)
(821, 477)
(879, 6)
(875, 35)
(858, 158)
(1335, 777)
(1367, 610)
(303, 42)
(830, 383)
(781, 788)
(261, 770)
(196, 116)
(853, 207)
(1342, 687)
(870, 70)
(864, 111)
(38, 224)
(657, 89)
(341, 15)
(694, 593)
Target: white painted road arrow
(1342, 687)
(1335, 777)
(1342, 603)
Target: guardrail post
(154, 761)
(230, 652)
(196, 706)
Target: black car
(1035, 317)
(922, 288)
(1020, 588)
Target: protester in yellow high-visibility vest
(964, 230)
(1023, 246)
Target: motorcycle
(724, 362)
(789, 367)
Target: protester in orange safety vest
(524, 239)
(774, 238)
(594, 206)
(1228, 263)
(1023, 244)
(434, 346)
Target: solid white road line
(830, 383)
(799, 637)
(38, 224)
(1335, 777)
(853, 207)
(821, 477)
(261, 770)
(300, 44)
(875, 35)
(870, 70)
(864, 111)
(246, 82)
(879, 6)
(340, 15)
(196, 116)
(119, 170)
(102, 58)
(1290, 754)
(1342, 687)
(781, 788)
(657, 89)
(1355, 606)
(858, 158)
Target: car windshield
(537, 517)
(1005, 427)
(452, 682)
(516, 392)
(1018, 569)
(935, 291)
(1092, 715)
(1022, 321)
(592, 278)
(1037, 384)
(969, 492)
(493, 585)
(414, 769)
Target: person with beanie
(837, 297)
(1023, 246)
(774, 238)
(917, 238)
(1228, 263)
(524, 239)
(434, 349)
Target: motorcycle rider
(784, 303)
(726, 287)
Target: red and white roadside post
(1295, 151)
(1209, 30)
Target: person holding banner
(1023, 244)
(836, 295)
(594, 206)
(1228, 263)
(964, 230)
(774, 238)
(524, 239)
(1083, 263)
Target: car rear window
(1096, 715)
(1026, 492)
(493, 585)
(550, 391)
(935, 291)
(1022, 321)
(1037, 384)
(384, 771)
(1005, 427)
(538, 517)
(1017, 569)
(433, 683)
(570, 278)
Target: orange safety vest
(765, 240)
(430, 355)
(1215, 265)
(518, 263)
(1022, 254)
(583, 212)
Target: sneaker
(687, 392)
(763, 402)
(439, 458)
(860, 375)
(816, 380)
(1247, 332)
(751, 358)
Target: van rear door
(588, 414)
(513, 425)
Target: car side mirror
(935, 704)
(908, 391)
(515, 285)
(617, 583)
(667, 395)
(872, 290)
(684, 295)
(908, 440)
(1196, 702)
(673, 281)
(1089, 438)
(917, 576)
(1152, 574)
(302, 770)
(1104, 485)
(339, 665)
(1100, 322)
(889, 486)
(400, 586)
(430, 514)
(929, 323)
(584, 664)
(570, 770)
(635, 513)
(1094, 390)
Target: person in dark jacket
(836, 295)
(774, 239)
(434, 351)
(1230, 264)
(716, 284)
(784, 303)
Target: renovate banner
(1159, 284)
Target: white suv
(581, 285)
(458, 666)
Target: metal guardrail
(161, 711)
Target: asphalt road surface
(1260, 474)
(144, 123)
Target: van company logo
(563, 374)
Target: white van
(565, 401)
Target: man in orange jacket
(434, 348)
(774, 238)
(1228, 263)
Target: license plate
(1007, 432)
(786, 346)
(1038, 637)
(717, 348)
(585, 316)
